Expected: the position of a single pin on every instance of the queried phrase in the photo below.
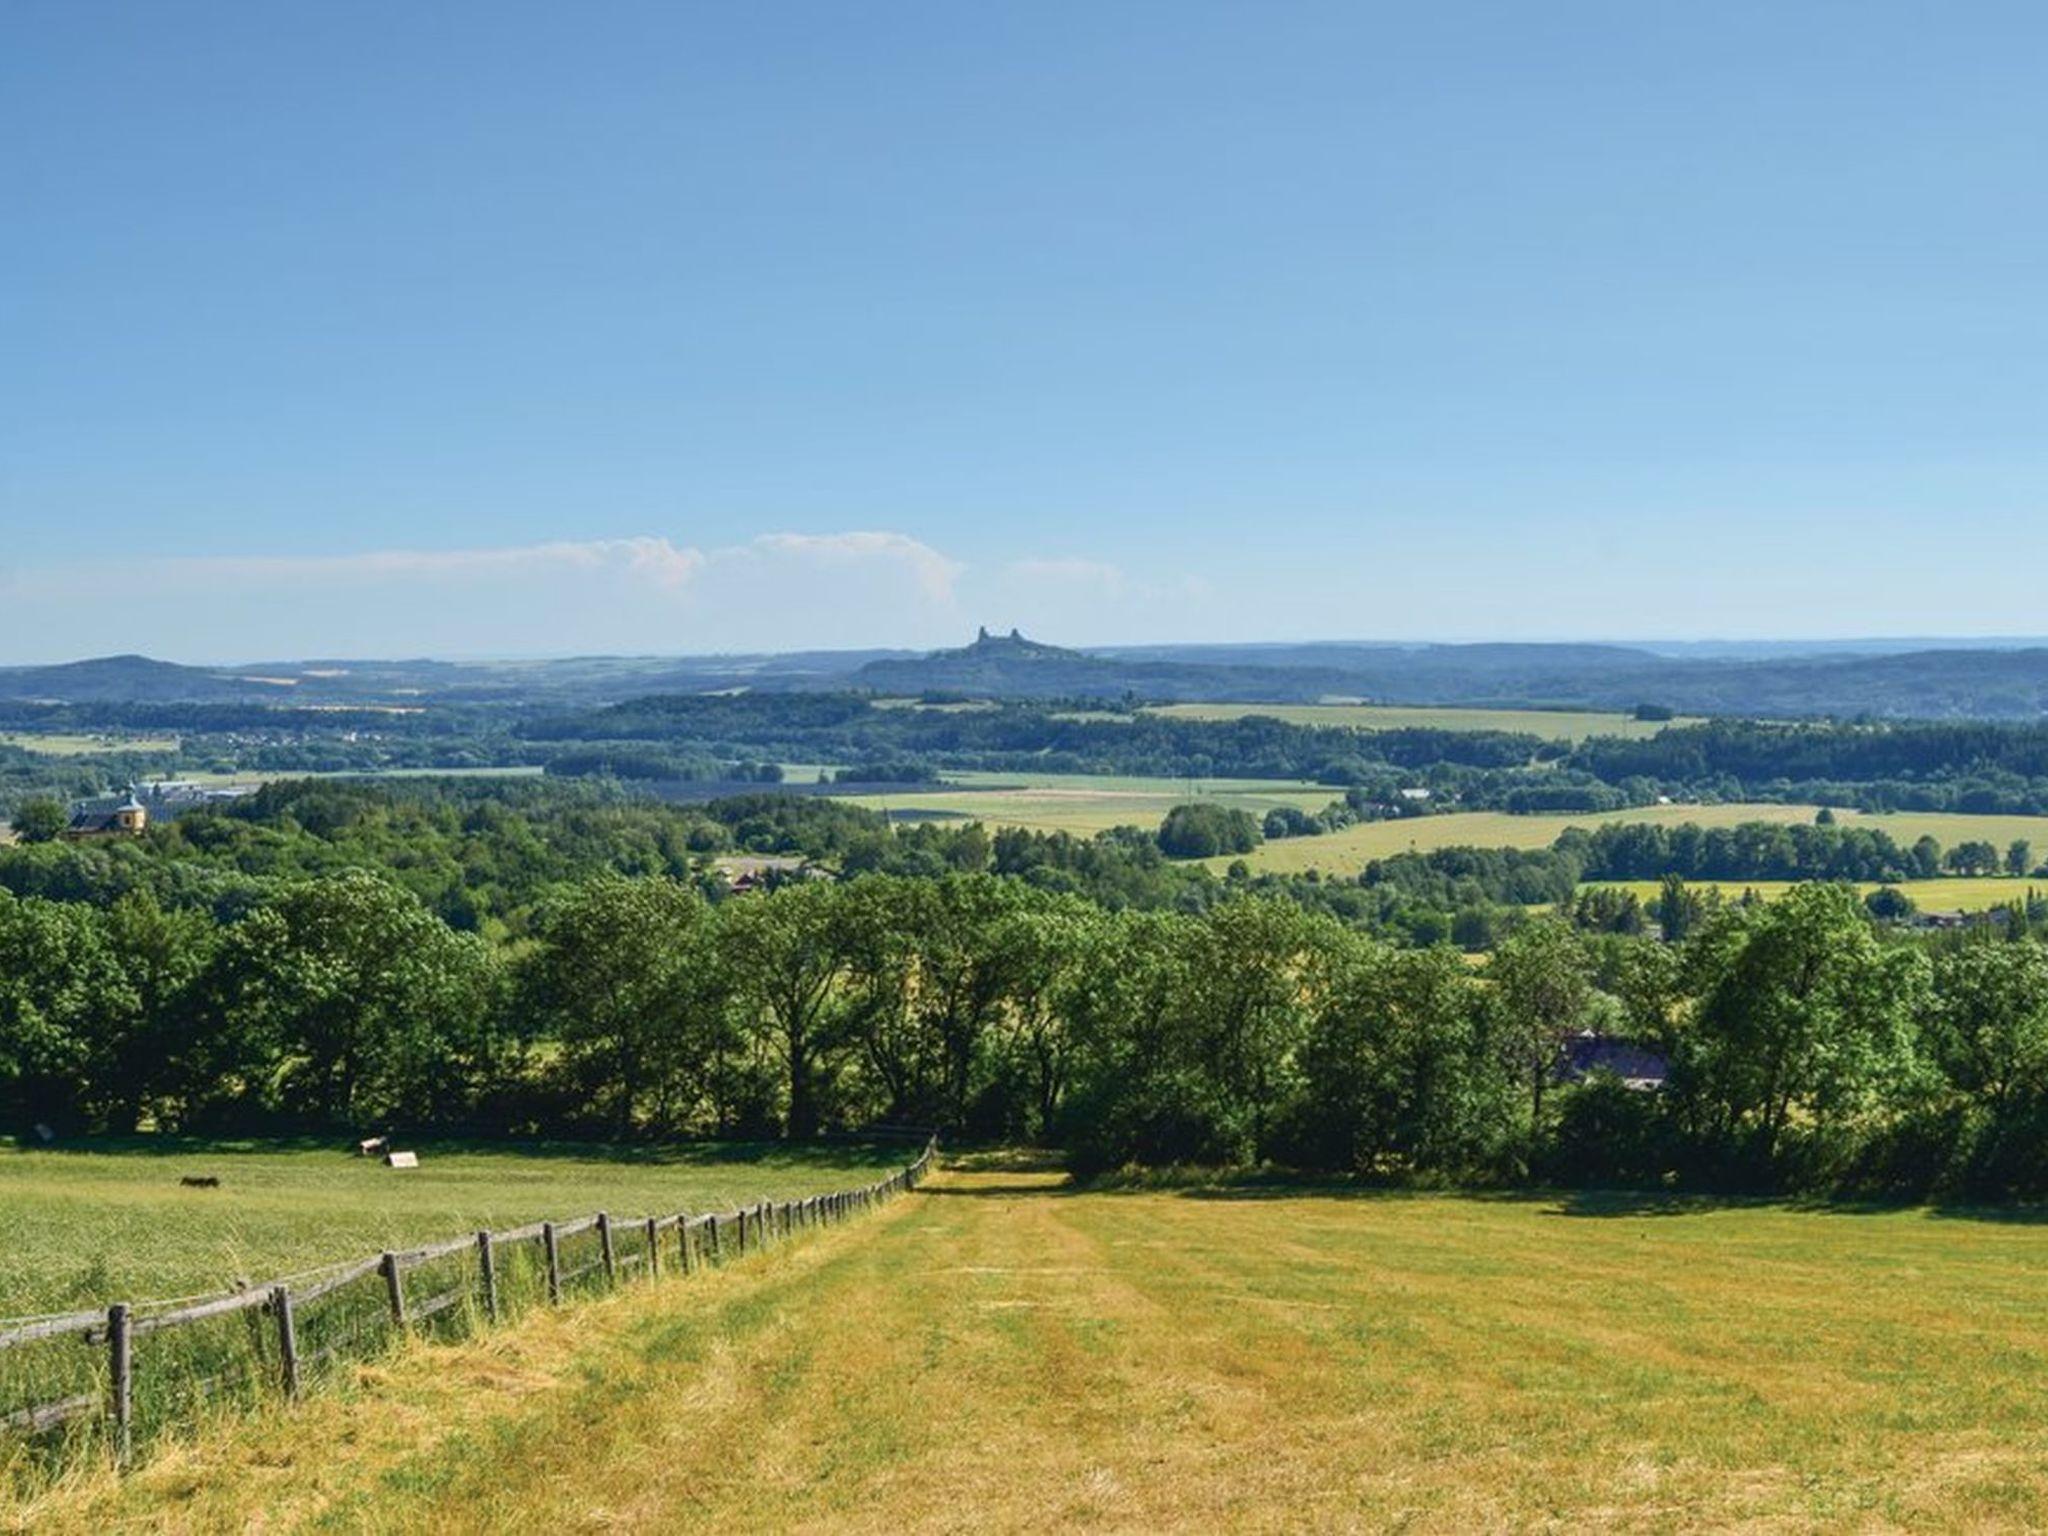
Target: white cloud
(935, 573)
(648, 593)
(657, 560)
(1072, 571)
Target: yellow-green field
(64, 744)
(1000, 1353)
(1551, 724)
(1086, 803)
(1348, 851)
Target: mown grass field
(68, 744)
(112, 1223)
(1085, 804)
(1348, 851)
(1551, 724)
(999, 1353)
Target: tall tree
(1542, 981)
(627, 976)
(376, 1009)
(1803, 1020)
(790, 953)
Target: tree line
(1753, 850)
(1806, 1047)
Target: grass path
(997, 1353)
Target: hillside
(121, 680)
(1011, 666)
(1253, 1357)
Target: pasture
(1085, 804)
(1550, 724)
(72, 744)
(1002, 1352)
(110, 1221)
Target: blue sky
(384, 328)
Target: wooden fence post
(121, 1379)
(653, 1246)
(547, 1238)
(394, 1282)
(604, 1243)
(711, 1230)
(487, 1271)
(742, 1221)
(287, 1339)
(683, 1243)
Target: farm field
(1348, 851)
(1551, 724)
(111, 1223)
(1085, 804)
(64, 744)
(998, 1352)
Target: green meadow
(110, 1221)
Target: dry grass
(998, 1353)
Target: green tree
(141, 1066)
(1401, 1075)
(1926, 856)
(1990, 1022)
(63, 1000)
(1205, 829)
(1542, 981)
(2019, 857)
(1677, 909)
(375, 1008)
(1803, 1021)
(39, 819)
(1975, 857)
(789, 954)
(626, 974)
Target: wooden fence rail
(272, 1349)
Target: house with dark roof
(129, 818)
(1636, 1065)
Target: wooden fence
(113, 1377)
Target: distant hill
(1940, 681)
(1010, 666)
(121, 680)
